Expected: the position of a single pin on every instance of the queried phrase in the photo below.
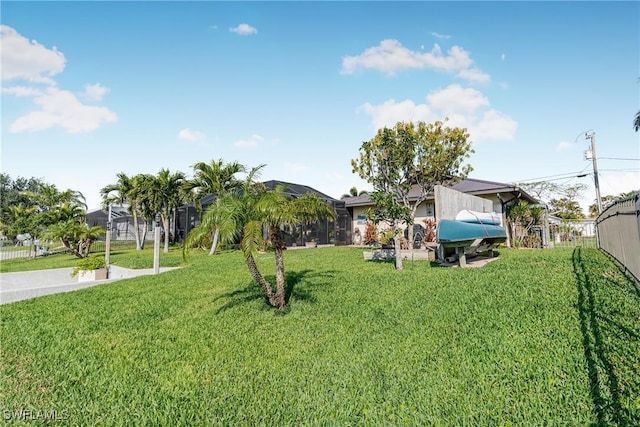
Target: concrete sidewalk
(30, 284)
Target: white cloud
(474, 75)
(21, 91)
(493, 125)
(390, 57)
(465, 107)
(244, 30)
(191, 135)
(503, 57)
(30, 61)
(391, 112)
(61, 108)
(440, 36)
(26, 59)
(456, 99)
(565, 145)
(95, 92)
(252, 141)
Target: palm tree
(247, 212)
(75, 236)
(126, 191)
(213, 178)
(353, 192)
(276, 210)
(47, 197)
(166, 193)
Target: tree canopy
(32, 205)
(410, 157)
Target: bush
(370, 234)
(92, 262)
(429, 230)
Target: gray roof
(290, 189)
(476, 187)
(297, 190)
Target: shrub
(429, 230)
(92, 262)
(387, 236)
(370, 234)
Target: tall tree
(27, 205)
(214, 178)
(410, 158)
(607, 201)
(127, 191)
(566, 208)
(167, 194)
(353, 192)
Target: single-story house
(323, 232)
(500, 194)
(187, 217)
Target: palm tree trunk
(280, 296)
(136, 231)
(257, 276)
(398, 248)
(143, 235)
(216, 236)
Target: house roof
(290, 189)
(476, 187)
(297, 190)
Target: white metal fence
(619, 233)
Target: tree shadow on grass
(602, 348)
(252, 291)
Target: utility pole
(592, 137)
(156, 245)
(107, 249)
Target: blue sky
(90, 89)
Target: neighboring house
(500, 194)
(323, 232)
(569, 229)
(122, 222)
(187, 217)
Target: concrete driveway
(31, 284)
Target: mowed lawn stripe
(361, 344)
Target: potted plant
(90, 268)
(312, 243)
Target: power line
(556, 176)
(620, 170)
(619, 158)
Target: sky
(91, 89)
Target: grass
(124, 256)
(534, 338)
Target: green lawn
(535, 338)
(121, 255)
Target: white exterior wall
(426, 210)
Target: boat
(458, 240)
(453, 231)
(490, 218)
